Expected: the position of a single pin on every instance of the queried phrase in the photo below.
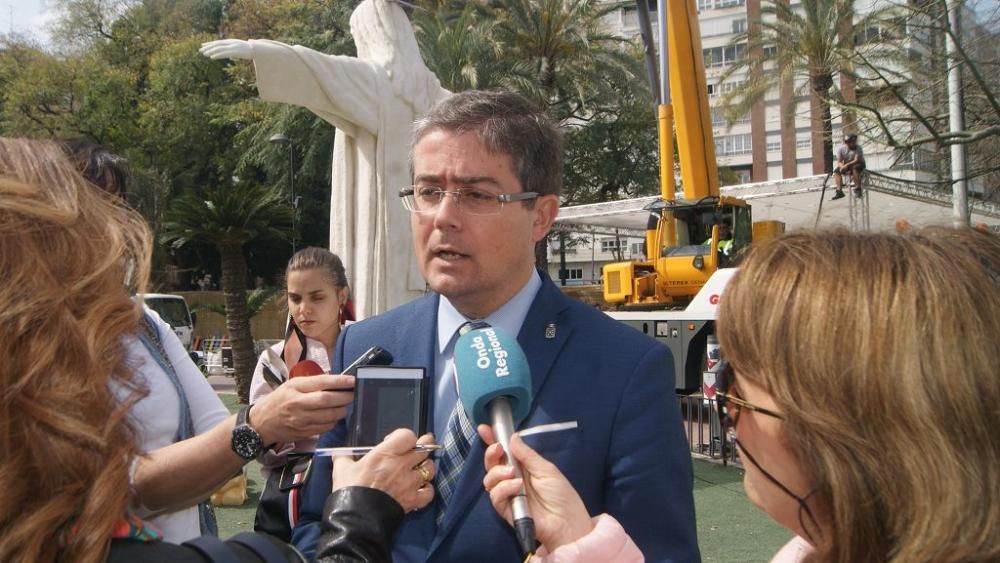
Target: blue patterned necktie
(457, 443)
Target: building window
(719, 118)
(773, 146)
(725, 87)
(575, 273)
(704, 5)
(722, 56)
(802, 143)
(612, 245)
(730, 145)
(740, 25)
(729, 3)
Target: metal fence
(704, 434)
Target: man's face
(477, 261)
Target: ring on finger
(425, 473)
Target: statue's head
(383, 36)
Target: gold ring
(425, 473)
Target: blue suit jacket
(628, 457)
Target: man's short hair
(506, 123)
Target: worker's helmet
(850, 138)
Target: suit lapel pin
(550, 331)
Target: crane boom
(687, 240)
(699, 175)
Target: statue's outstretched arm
(227, 49)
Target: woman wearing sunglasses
(862, 387)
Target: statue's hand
(227, 49)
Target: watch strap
(243, 416)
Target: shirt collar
(510, 316)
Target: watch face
(246, 442)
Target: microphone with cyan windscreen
(494, 385)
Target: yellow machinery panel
(618, 282)
(763, 230)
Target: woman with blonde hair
(67, 440)
(861, 384)
(863, 391)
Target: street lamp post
(282, 139)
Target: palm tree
(228, 217)
(457, 45)
(572, 61)
(813, 40)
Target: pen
(361, 450)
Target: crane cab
(692, 239)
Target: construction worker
(725, 239)
(850, 158)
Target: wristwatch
(246, 441)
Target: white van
(173, 309)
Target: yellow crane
(682, 247)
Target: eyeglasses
(474, 201)
(729, 405)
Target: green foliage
(45, 96)
(572, 60)
(127, 74)
(318, 24)
(226, 215)
(615, 155)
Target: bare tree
(904, 100)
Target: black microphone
(494, 385)
(375, 356)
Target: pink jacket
(793, 551)
(606, 543)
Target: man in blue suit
(487, 168)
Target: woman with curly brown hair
(861, 383)
(67, 440)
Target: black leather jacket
(358, 526)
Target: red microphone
(305, 367)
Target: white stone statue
(372, 100)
